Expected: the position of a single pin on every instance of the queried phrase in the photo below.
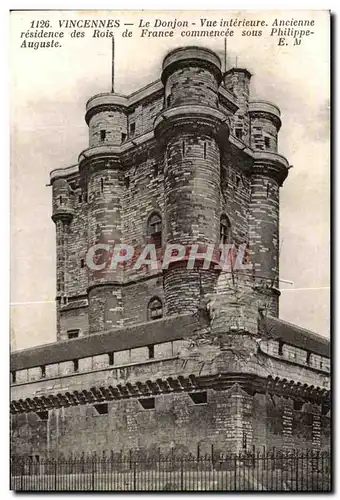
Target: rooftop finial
(225, 54)
(113, 66)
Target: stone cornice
(191, 56)
(224, 381)
(270, 164)
(266, 109)
(192, 118)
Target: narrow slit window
(75, 365)
(168, 100)
(43, 371)
(280, 351)
(82, 263)
(60, 200)
(102, 184)
(123, 136)
(268, 189)
(14, 377)
(267, 142)
(102, 135)
(111, 358)
(224, 229)
(151, 349)
(238, 133)
(205, 150)
(127, 182)
(132, 129)
(80, 199)
(183, 148)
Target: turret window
(123, 137)
(224, 230)
(267, 142)
(102, 135)
(239, 133)
(132, 129)
(155, 309)
(155, 230)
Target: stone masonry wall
(230, 421)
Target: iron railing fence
(245, 471)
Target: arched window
(155, 309)
(224, 229)
(155, 230)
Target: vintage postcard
(170, 233)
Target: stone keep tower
(215, 153)
(185, 354)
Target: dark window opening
(183, 148)
(123, 137)
(102, 184)
(72, 334)
(155, 230)
(65, 300)
(280, 351)
(155, 309)
(111, 358)
(75, 365)
(43, 371)
(267, 142)
(244, 440)
(127, 182)
(237, 181)
(199, 398)
(132, 129)
(102, 408)
(80, 198)
(82, 263)
(155, 170)
(151, 349)
(205, 150)
(85, 198)
(268, 189)
(14, 377)
(168, 100)
(102, 135)
(224, 230)
(147, 403)
(60, 200)
(308, 357)
(238, 133)
(43, 415)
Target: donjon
(153, 358)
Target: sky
(49, 90)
